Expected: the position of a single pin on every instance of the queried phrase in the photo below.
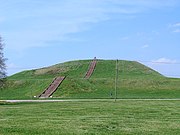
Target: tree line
(2, 63)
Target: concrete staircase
(91, 68)
(52, 87)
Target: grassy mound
(135, 81)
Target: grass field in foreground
(108, 117)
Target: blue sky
(40, 33)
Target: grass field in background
(96, 117)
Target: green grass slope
(135, 81)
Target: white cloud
(49, 22)
(12, 66)
(166, 66)
(175, 27)
(164, 61)
(177, 31)
(124, 38)
(176, 24)
(34, 23)
(146, 4)
(12, 69)
(2, 20)
(145, 46)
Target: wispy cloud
(11, 66)
(175, 27)
(164, 61)
(44, 21)
(145, 46)
(177, 31)
(176, 24)
(1, 20)
(34, 23)
(124, 38)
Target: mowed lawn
(97, 117)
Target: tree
(2, 64)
